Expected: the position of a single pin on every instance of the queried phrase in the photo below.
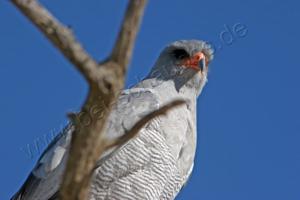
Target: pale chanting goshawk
(156, 163)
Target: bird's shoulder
(131, 106)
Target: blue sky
(248, 114)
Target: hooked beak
(202, 64)
(196, 62)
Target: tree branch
(142, 122)
(123, 48)
(61, 36)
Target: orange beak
(196, 62)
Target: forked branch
(105, 81)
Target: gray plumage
(153, 165)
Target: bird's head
(186, 63)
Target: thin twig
(142, 122)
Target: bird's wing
(48, 169)
(44, 180)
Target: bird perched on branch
(158, 161)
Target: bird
(155, 164)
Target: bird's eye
(180, 53)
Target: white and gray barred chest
(144, 168)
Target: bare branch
(125, 42)
(142, 122)
(59, 35)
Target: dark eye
(180, 54)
